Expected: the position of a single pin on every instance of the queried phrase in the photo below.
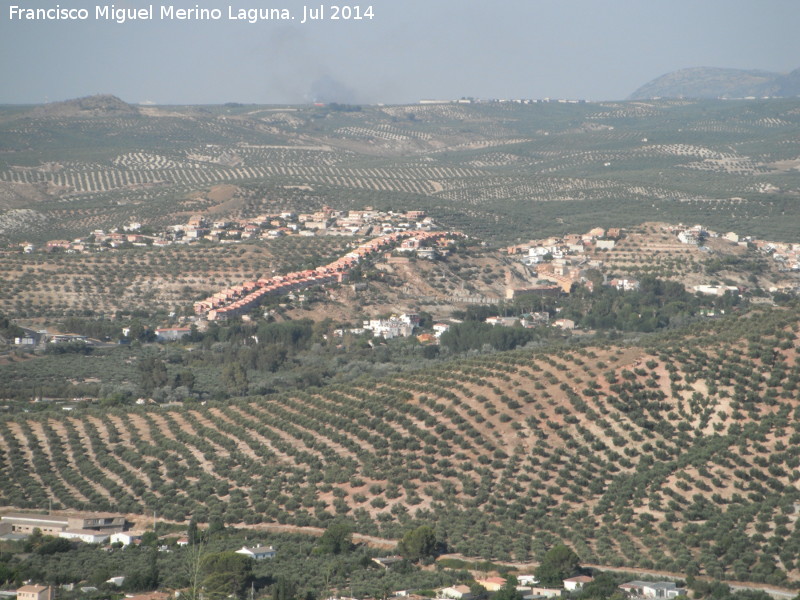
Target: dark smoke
(326, 89)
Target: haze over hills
(715, 82)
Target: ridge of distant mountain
(715, 82)
(99, 105)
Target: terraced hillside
(497, 170)
(681, 454)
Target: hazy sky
(411, 49)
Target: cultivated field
(498, 170)
(682, 455)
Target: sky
(409, 50)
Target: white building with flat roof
(258, 552)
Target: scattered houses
(240, 299)
(324, 222)
(395, 326)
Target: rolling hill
(499, 171)
(714, 82)
(101, 105)
(678, 453)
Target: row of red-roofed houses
(242, 298)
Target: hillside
(159, 280)
(100, 105)
(714, 82)
(496, 170)
(680, 453)
(146, 279)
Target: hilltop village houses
(393, 327)
(562, 262)
(240, 299)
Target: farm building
(51, 524)
(35, 592)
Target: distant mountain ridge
(715, 82)
(98, 105)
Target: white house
(652, 589)
(662, 589)
(577, 583)
(690, 237)
(258, 552)
(502, 321)
(456, 592)
(440, 328)
(402, 326)
(90, 536)
(715, 290)
(126, 538)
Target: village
(565, 261)
(555, 266)
(241, 299)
